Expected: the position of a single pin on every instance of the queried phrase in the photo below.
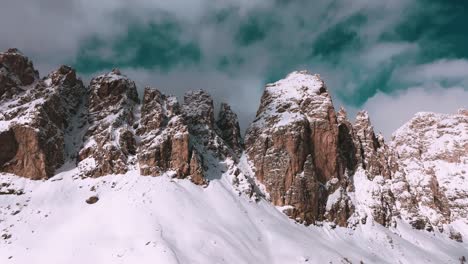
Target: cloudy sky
(393, 58)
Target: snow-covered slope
(162, 220)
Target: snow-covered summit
(300, 96)
(432, 151)
(297, 85)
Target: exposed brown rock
(306, 195)
(310, 159)
(35, 114)
(307, 155)
(111, 101)
(127, 142)
(197, 171)
(30, 158)
(165, 139)
(347, 143)
(372, 150)
(293, 144)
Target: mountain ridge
(299, 154)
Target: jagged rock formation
(16, 72)
(109, 141)
(308, 156)
(176, 138)
(228, 123)
(432, 152)
(164, 143)
(293, 144)
(198, 113)
(312, 161)
(34, 115)
(373, 153)
(374, 171)
(348, 174)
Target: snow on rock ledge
(34, 115)
(293, 144)
(109, 141)
(432, 151)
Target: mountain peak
(16, 69)
(297, 85)
(300, 157)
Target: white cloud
(390, 112)
(435, 71)
(51, 32)
(382, 52)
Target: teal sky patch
(275, 40)
(147, 46)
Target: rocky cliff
(299, 153)
(306, 154)
(320, 166)
(432, 153)
(34, 115)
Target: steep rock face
(339, 204)
(312, 161)
(373, 153)
(175, 138)
(315, 160)
(16, 72)
(164, 136)
(432, 152)
(228, 123)
(198, 113)
(197, 169)
(348, 143)
(293, 144)
(34, 115)
(376, 167)
(109, 141)
(364, 192)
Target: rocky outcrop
(197, 170)
(293, 144)
(310, 160)
(198, 113)
(375, 169)
(228, 123)
(432, 154)
(34, 115)
(16, 72)
(373, 153)
(109, 141)
(364, 192)
(348, 144)
(165, 138)
(309, 157)
(177, 139)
